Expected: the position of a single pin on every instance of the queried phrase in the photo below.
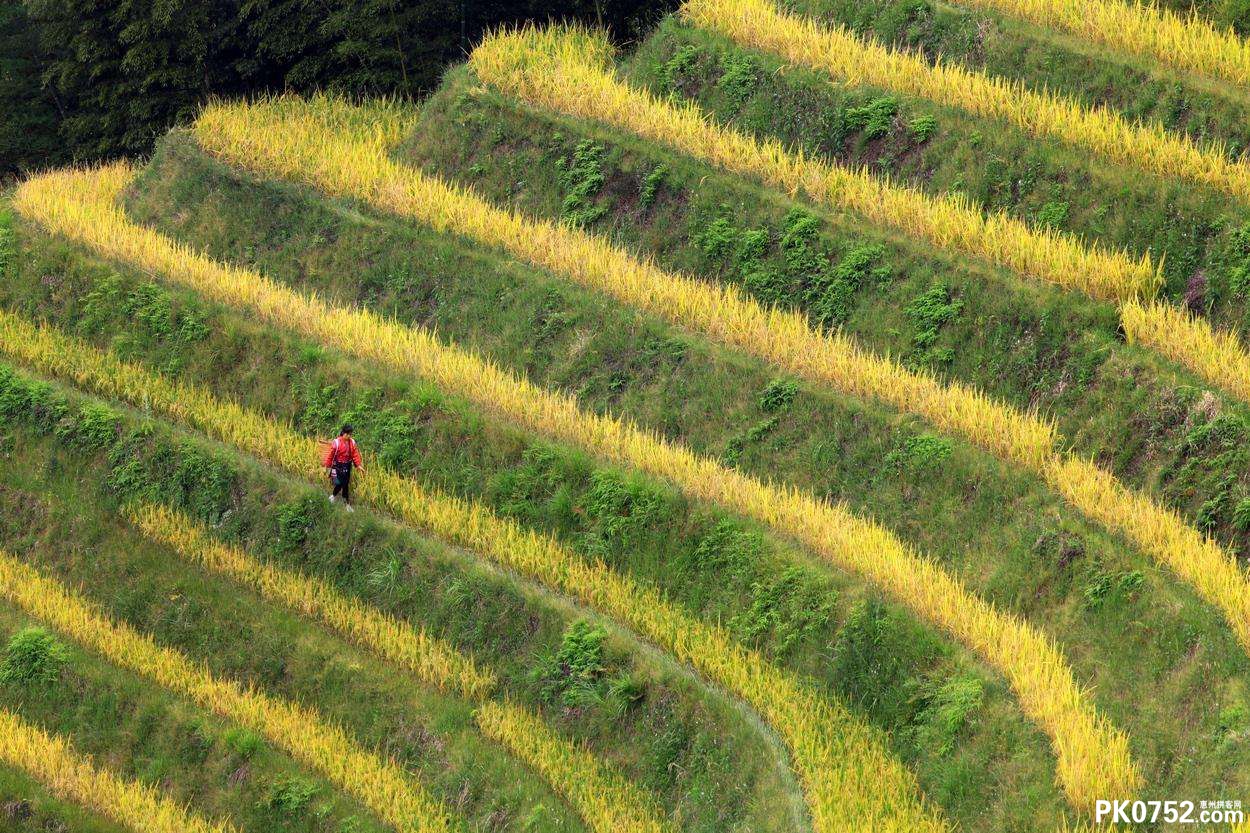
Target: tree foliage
(84, 80)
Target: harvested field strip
(851, 781)
(570, 72)
(378, 783)
(1189, 44)
(604, 800)
(847, 57)
(1093, 757)
(53, 762)
(723, 314)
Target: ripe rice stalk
(303, 141)
(569, 71)
(52, 761)
(846, 56)
(379, 784)
(1202, 562)
(605, 801)
(1218, 357)
(722, 313)
(851, 781)
(1185, 43)
(1092, 756)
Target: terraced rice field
(817, 417)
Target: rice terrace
(768, 416)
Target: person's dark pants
(343, 481)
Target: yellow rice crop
(379, 784)
(307, 136)
(51, 760)
(565, 70)
(1093, 757)
(848, 57)
(851, 781)
(1189, 44)
(306, 143)
(568, 71)
(607, 802)
(1218, 357)
(1196, 558)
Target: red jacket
(343, 449)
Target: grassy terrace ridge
(1191, 43)
(418, 743)
(662, 721)
(1092, 756)
(1198, 234)
(453, 447)
(860, 62)
(572, 72)
(756, 442)
(849, 777)
(57, 764)
(31, 808)
(1152, 426)
(1045, 59)
(146, 734)
(205, 217)
(355, 167)
(378, 782)
(604, 800)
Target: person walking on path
(341, 457)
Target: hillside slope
(702, 491)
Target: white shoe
(349, 507)
(332, 498)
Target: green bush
(920, 453)
(583, 178)
(95, 426)
(1108, 586)
(945, 709)
(922, 127)
(739, 77)
(874, 118)
(787, 609)
(1053, 214)
(928, 312)
(290, 795)
(718, 239)
(778, 395)
(574, 675)
(621, 506)
(675, 68)
(651, 184)
(33, 657)
(243, 742)
(872, 661)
